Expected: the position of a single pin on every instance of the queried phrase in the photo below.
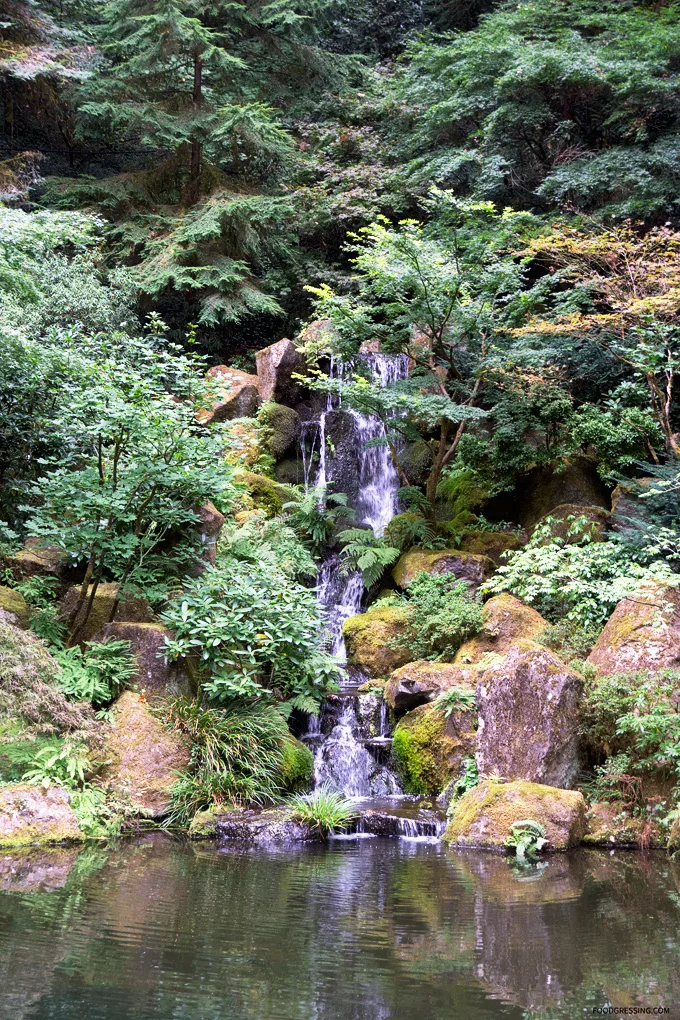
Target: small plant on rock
(325, 811)
(468, 779)
(456, 699)
(527, 839)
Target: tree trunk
(194, 187)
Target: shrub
(363, 550)
(325, 811)
(258, 634)
(576, 578)
(443, 615)
(637, 714)
(456, 699)
(236, 758)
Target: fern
(364, 551)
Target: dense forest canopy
(489, 189)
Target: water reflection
(375, 929)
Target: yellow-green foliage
(13, 602)
(265, 493)
(376, 640)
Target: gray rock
(528, 706)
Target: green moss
(376, 640)
(265, 493)
(416, 459)
(491, 543)
(425, 755)
(12, 602)
(297, 767)
(459, 493)
(203, 824)
(440, 561)
(282, 425)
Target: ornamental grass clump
(325, 811)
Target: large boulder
(563, 517)
(156, 677)
(36, 560)
(493, 544)
(464, 566)
(276, 366)
(13, 607)
(31, 814)
(484, 816)
(428, 747)
(104, 605)
(375, 640)
(143, 757)
(506, 621)
(528, 711)
(265, 493)
(236, 395)
(541, 490)
(643, 632)
(609, 824)
(416, 683)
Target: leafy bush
(257, 634)
(527, 838)
(268, 541)
(468, 779)
(442, 615)
(637, 714)
(236, 757)
(577, 578)
(97, 673)
(325, 811)
(66, 765)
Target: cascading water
(347, 755)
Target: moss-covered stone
(460, 494)
(416, 460)
(492, 543)
(33, 815)
(236, 395)
(203, 824)
(464, 566)
(128, 610)
(290, 471)
(484, 816)
(643, 632)
(297, 766)
(265, 493)
(428, 748)
(506, 621)
(418, 682)
(611, 825)
(156, 677)
(14, 608)
(143, 757)
(400, 531)
(375, 640)
(36, 560)
(283, 427)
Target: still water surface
(370, 929)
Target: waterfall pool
(364, 929)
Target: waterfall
(346, 757)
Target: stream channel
(362, 928)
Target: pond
(366, 928)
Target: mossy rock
(484, 816)
(493, 544)
(283, 425)
(599, 522)
(416, 460)
(610, 825)
(460, 494)
(419, 682)
(464, 566)
(203, 824)
(643, 632)
(375, 640)
(428, 748)
(128, 610)
(290, 471)
(297, 766)
(31, 815)
(14, 608)
(265, 493)
(36, 560)
(506, 621)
